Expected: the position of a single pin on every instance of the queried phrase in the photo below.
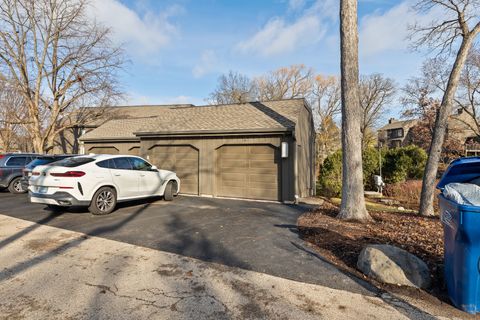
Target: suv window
(72, 162)
(122, 163)
(108, 164)
(16, 162)
(139, 164)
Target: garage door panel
(233, 164)
(268, 194)
(248, 172)
(188, 163)
(262, 156)
(228, 191)
(183, 160)
(233, 176)
(233, 150)
(263, 171)
(235, 156)
(260, 164)
(260, 149)
(271, 178)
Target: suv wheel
(104, 201)
(16, 186)
(169, 191)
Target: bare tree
(295, 81)
(233, 87)
(325, 102)
(468, 99)
(59, 59)
(12, 116)
(325, 97)
(459, 24)
(376, 92)
(353, 200)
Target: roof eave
(110, 139)
(213, 132)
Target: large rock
(389, 264)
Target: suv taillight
(35, 173)
(69, 174)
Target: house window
(395, 133)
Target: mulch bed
(341, 241)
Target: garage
(248, 171)
(253, 150)
(180, 159)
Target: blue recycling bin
(461, 225)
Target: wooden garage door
(249, 171)
(183, 160)
(103, 150)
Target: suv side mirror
(154, 168)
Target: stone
(393, 265)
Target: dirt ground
(341, 241)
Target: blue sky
(177, 49)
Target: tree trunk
(440, 128)
(353, 201)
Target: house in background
(461, 127)
(396, 133)
(256, 150)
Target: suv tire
(15, 186)
(103, 202)
(169, 191)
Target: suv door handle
(142, 175)
(117, 174)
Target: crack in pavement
(156, 292)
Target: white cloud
(207, 63)
(296, 4)
(141, 34)
(279, 36)
(387, 31)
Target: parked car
(99, 182)
(11, 166)
(41, 160)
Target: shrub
(398, 165)
(408, 193)
(401, 164)
(330, 179)
(371, 164)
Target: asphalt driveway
(256, 236)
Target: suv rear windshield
(72, 162)
(43, 160)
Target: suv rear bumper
(58, 198)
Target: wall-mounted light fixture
(284, 149)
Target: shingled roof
(278, 115)
(397, 124)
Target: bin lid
(461, 170)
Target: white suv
(99, 181)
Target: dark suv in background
(11, 166)
(40, 161)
